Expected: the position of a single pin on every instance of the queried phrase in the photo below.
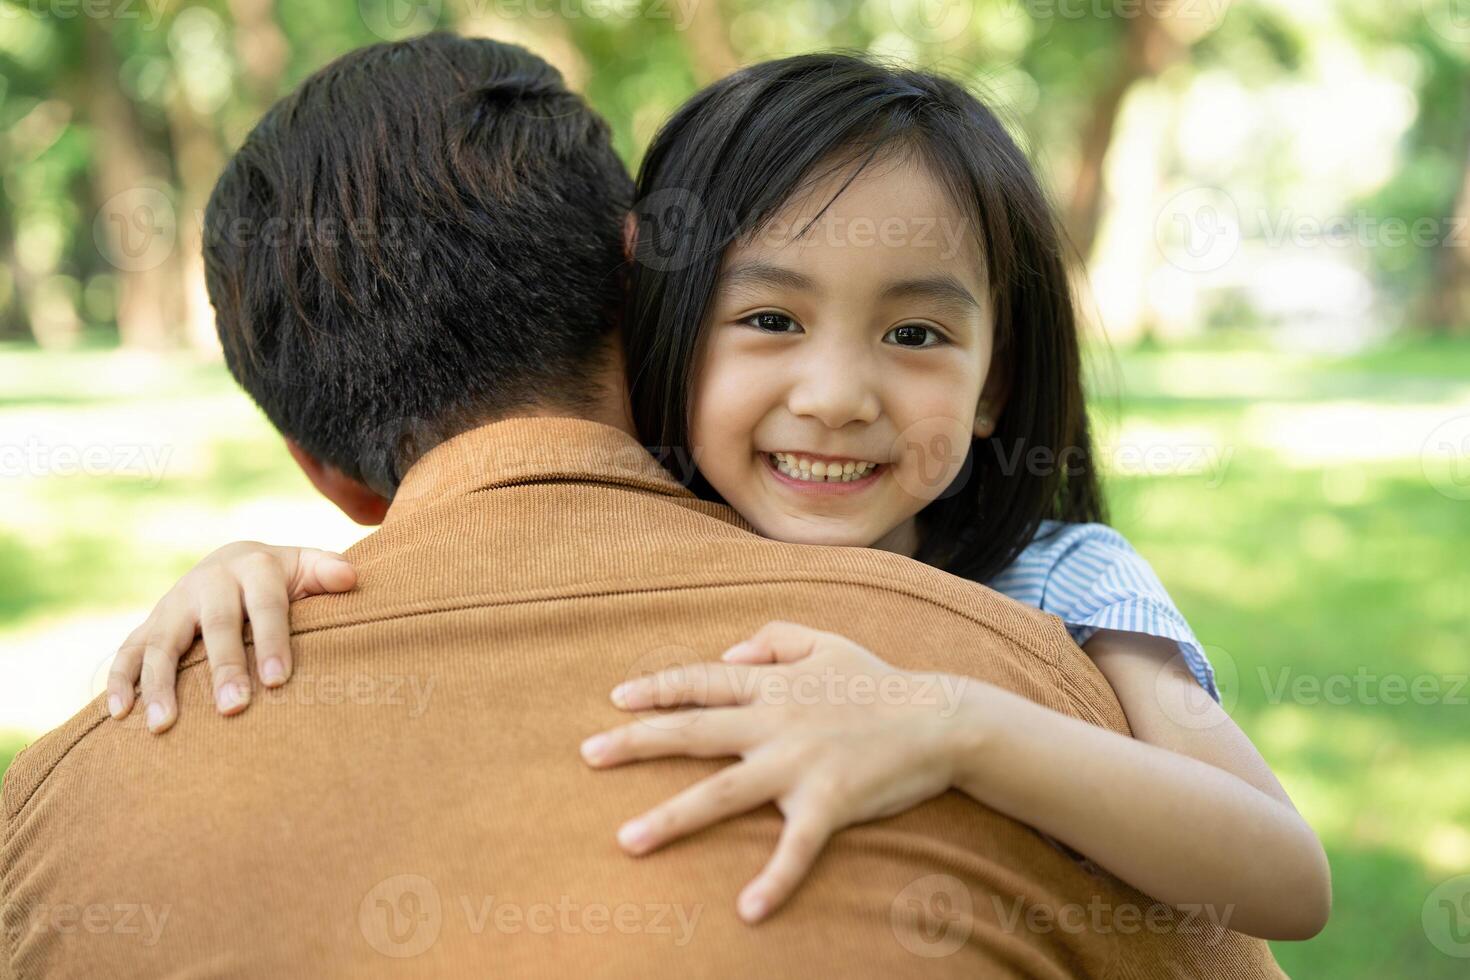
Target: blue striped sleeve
(1089, 577)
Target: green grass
(1306, 562)
(10, 745)
(1318, 583)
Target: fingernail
(274, 672)
(620, 695)
(594, 748)
(737, 651)
(156, 715)
(752, 907)
(231, 695)
(114, 705)
(633, 834)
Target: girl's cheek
(931, 454)
(722, 428)
(934, 437)
(731, 398)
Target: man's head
(425, 236)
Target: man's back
(413, 802)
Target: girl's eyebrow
(765, 274)
(943, 288)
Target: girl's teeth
(821, 470)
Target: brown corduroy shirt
(413, 803)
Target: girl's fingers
(802, 839)
(729, 792)
(777, 642)
(699, 733)
(122, 676)
(315, 571)
(707, 685)
(267, 603)
(171, 635)
(748, 652)
(222, 622)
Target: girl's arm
(1186, 811)
(243, 581)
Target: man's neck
(607, 400)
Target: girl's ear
(992, 400)
(630, 234)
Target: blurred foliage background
(1270, 203)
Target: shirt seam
(478, 602)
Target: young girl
(848, 306)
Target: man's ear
(992, 399)
(354, 499)
(630, 234)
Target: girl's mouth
(806, 474)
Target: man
(414, 261)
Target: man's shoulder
(34, 763)
(492, 551)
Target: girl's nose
(835, 390)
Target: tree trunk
(261, 47)
(1148, 47)
(198, 160)
(707, 39)
(135, 225)
(1447, 308)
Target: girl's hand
(831, 733)
(244, 580)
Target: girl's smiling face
(844, 361)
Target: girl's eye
(769, 322)
(915, 335)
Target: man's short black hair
(424, 236)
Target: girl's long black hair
(736, 152)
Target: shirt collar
(530, 450)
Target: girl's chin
(817, 532)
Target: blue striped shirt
(1089, 577)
